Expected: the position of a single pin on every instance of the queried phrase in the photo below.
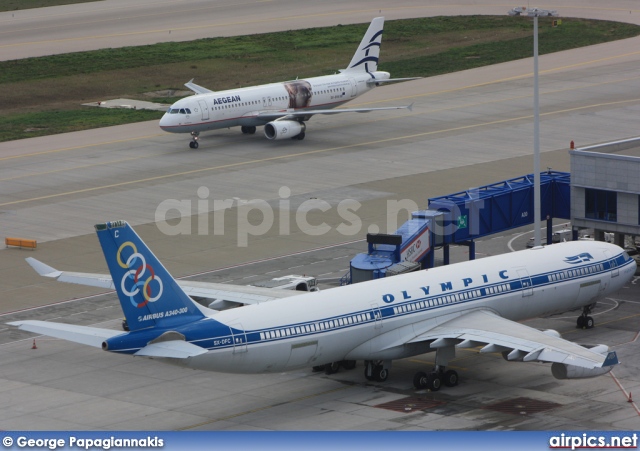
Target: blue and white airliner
(475, 304)
(282, 108)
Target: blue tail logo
(149, 296)
(140, 277)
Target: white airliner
(474, 304)
(283, 108)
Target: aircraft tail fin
(366, 57)
(149, 296)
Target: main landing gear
(435, 379)
(194, 140)
(299, 136)
(248, 130)
(585, 321)
(439, 376)
(376, 370)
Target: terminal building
(605, 189)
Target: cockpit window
(626, 256)
(179, 111)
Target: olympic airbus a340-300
(474, 304)
(282, 108)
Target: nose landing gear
(585, 321)
(194, 141)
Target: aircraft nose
(164, 122)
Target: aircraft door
(205, 110)
(377, 315)
(239, 337)
(354, 87)
(525, 281)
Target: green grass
(41, 124)
(15, 5)
(416, 47)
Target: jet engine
(283, 129)
(564, 371)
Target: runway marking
(44, 152)
(310, 152)
(38, 174)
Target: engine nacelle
(564, 371)
(283, 129)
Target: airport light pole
(537, 232)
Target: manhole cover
(522, 406)
(409, 404)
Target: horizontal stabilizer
(197, 88)
(85, 335)
(176, 349)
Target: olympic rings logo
(137, 269)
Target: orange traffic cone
(630, 398)
(34, 344)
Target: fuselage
(372, 320)
(246, 106)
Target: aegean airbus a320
(282, 108)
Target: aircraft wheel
(251, 130)
(420, 380)
(380, 373)
(450, 378)
(318, 368)
(244, 130)
(434, 382)
(300, 137)
(193, 144)
(348, 364)
(589, 322)
(580, 322)
(331, 368)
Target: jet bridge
(460, 219)
(494, 208)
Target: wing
(220, 294)
(520, 342)
(292, 114)
(390, 80)
(196, 88)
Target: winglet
(197, 88)
(42, 269)
(612, 359)
(410, 107)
